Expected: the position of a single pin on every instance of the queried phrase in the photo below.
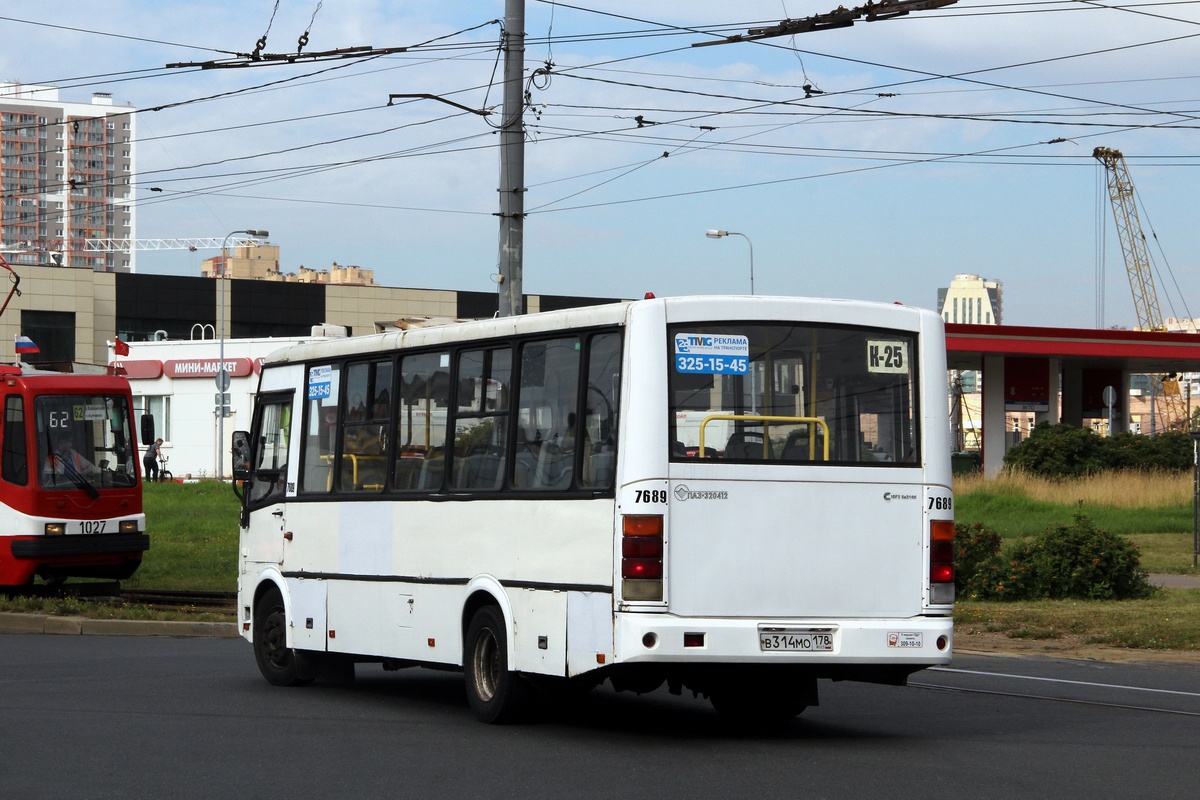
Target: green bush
(974, 546)
(1057, 451)
(1064, 451)
(1077, 561)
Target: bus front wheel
(497, 694)
(277, 662)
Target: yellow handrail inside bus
(766, 421)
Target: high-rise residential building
(66, 170)
(971, 299)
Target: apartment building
(66, 172)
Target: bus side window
(420, 427)
(320, 428)
(268, 476)
(546, 412)
(15, 467)
(481, 420)
(366, 426)
(600, 404)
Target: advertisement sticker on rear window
(706, 354)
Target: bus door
(266, 469)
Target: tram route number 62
(650, 496)
(60, 419)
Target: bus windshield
(793, 393)
(84, 442)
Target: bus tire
(497, 694)
(277, 662)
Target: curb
(38, 623)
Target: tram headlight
(127, 526)
(56, 528)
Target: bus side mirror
(241, 455)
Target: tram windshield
(84, 442)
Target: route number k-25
(941, 504)
(650, 496)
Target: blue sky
(882, 186)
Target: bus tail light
(941, 561)
(642, 557)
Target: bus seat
(746, 445)
(600, 468)
(406, 472)
(430, 477)
(525, 472)
(554, 467)
(796, 447)
(480, 471)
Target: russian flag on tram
(25, 345)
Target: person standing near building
(150, 459)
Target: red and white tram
(70, 490)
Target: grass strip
(1168, 621)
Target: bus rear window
(84, 442)
(793, 393)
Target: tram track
(113, 593)
(1067, 685)
(1071, 700)
(163, 598)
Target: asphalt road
(158, 717)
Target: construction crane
(126, 244)
(1141, 276)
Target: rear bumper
(659, 638)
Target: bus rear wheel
(497, 694)
(277, 662)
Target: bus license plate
(804, 641)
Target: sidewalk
(41, 623)
(1175, 581)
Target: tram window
(15, 461)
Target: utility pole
(512, 162)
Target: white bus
(512, 497)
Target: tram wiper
(78, 479)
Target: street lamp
(222, 372)
(716, 234)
